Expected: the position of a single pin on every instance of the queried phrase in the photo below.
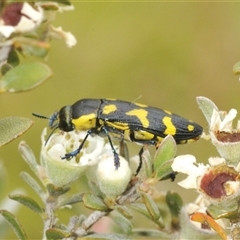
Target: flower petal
(6, 31)
(226, 124)
(184, 164)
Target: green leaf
(13, 127)
(122, 222)
(146, 164)
(207, 106)
(174, 202)
(94, 188)
(141, 208)
(124, 211)
(13, 58)
(16, 226)
(36, 51)
(5, 68)
(94, 202)
(229, 212)
(33, 184)
(164, 157)
(25, 77)
(53, 233)
(27, 201)
(151, 206)
(31, 47)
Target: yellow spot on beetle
(170, 128)
(190, 128)
(141, 114)
(85, 122)
(143, 135)
(109, 109)
(117, 125)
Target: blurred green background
(162, 54)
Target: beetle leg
(140, 160)
(116, 157)
(75, 152)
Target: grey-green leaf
(229, 212)
(33, 184)
(16, 226)
(207, 106)
(27, 201)
(25, 77)
(124, 211)
(28, 156)
(163, 157)
(31, 47)
(94, 202)
(140, 207)
(151, 206)
(122, 222)
(13, 127)
(147, 164)
(53, 233)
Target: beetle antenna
(40, 116)
(51, 119)
(54, 129)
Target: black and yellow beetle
(125, 120)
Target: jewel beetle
(126, 121)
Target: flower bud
(112, 181)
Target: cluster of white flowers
(217, 182)
(24, 17)
(96, 157)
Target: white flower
(223, 136)
(6, 31)
(218, 182)
(58, 33)
(62, 172)
(29, 19)
(221, 121)
(187, 164)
